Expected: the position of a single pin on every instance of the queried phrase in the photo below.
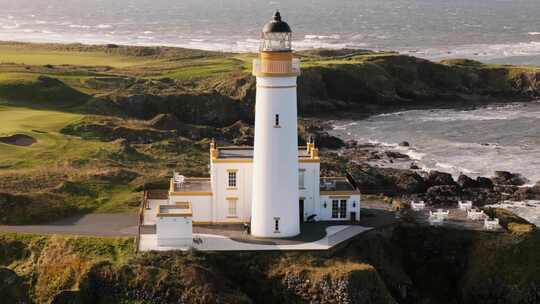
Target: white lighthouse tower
(275, 212)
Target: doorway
(301, 208)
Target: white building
(275, 185)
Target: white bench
(491, 224)
(418, 206)
(476, 214)
(440, 213)
(465, 206)
(437, 218)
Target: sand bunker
(18, 140)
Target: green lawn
(51, 147)
(22, 54)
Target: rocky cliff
(404, 263)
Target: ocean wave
(320, 37)
(10, 27)
(344, 126)
(480, 51)
(533, 33)
(79, 26)
(103, 26)
(454, 169)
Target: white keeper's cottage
(275, 185)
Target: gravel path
(107, 224)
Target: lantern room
(276, 36)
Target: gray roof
(335, 184)
(246, 152)
(193, 185)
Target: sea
(475, 141)
(495, 31)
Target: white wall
(311, 191)
(201, 206)
(220, 179)
(174, 231)
(275, 159)
(325, 214)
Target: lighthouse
(275, 212)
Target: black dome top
(276, 25)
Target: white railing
(276, 67)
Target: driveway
(106, 224)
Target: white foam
(479, 51)
(79, 26)
(344, 126)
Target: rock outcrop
(12, 289)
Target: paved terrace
(457, 219)
(314, 236)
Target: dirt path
(115, 224)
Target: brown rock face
(12, 289)
(351, 287)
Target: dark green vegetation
(397, 264)
(109, 121)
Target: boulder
(396, 155)
(484, 182)
(466, 182)
(508, 178)
(323, 140)
(351, 143)
(414, 166)
(527, 193)
(404, 144)
(405, 181)
(437, 178)
(443, 194)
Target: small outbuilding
(174, 225)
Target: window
(339, 209)
(301, 178)
(232, 179)
(335, 208)
(232, 207)
(276, 122)
(276, 225)
(343, 209)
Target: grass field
(22, 54)
(52, 148)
